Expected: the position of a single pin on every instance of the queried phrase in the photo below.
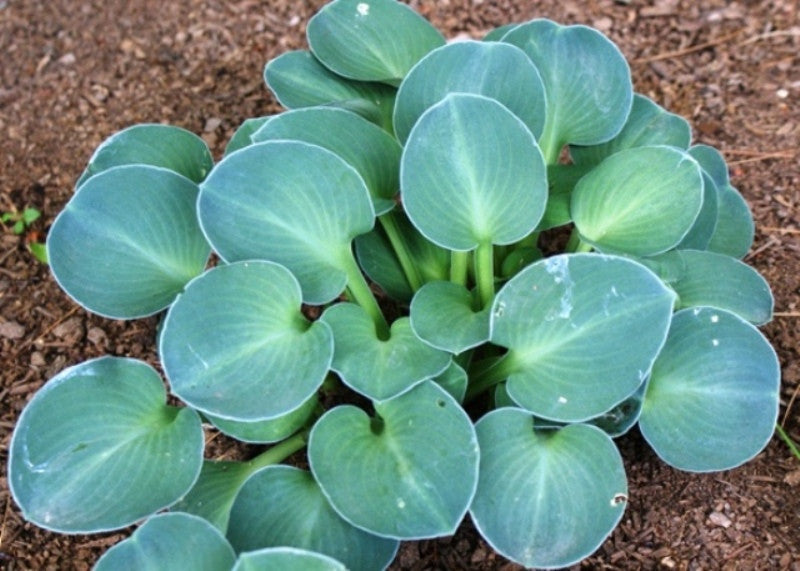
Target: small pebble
(720, 519)
(11, 330)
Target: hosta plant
(451, 273)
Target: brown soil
(75, 72)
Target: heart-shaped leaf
(648, 124)
(128, 241)
(373, 40)
(288, 202)
(472, 174)
(498, 71)
(586, 79)
(712, 400)
(378, 474)
(266, 431)
(715, 280)
(171, 542)
(284, 506)
(299, 80)
(546, 498)
(377, 368)
(98, 448)
(213, 493)
(582, 332)
(157, 145)
(367, 148)
(443, 314)
(640, 201)
(286, 559)
(264, 360)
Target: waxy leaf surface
(378, 473)
(442, 315)
(128, 241)
(712, 400)
(284, 506)
(91, 450)
(265, 431)
(171, 542)
(241, 138)
(705, 225)
(546, 498)
(264, 359)
(366, 147)
(586, 79)
(292, 203)
(372, 40)
(152, 144)
(376, 368)
(735, 230)
(472, 174)
(715, 280)
(299, 80)
(582, 332)
(648, 124)
(499, 71)
(286, 559)
(640, 201)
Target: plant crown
(397, 240)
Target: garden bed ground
(74, 72)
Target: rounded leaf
(582, 331)
(734, 231)
(586, 79)
(498, 71)
(472, 173)
(235, 344)
(284, 506)
(371, 40)
(701, 232)
(171, 542)
(712, 400)
(286, 559)
(648, 124)
(157, 145)
(443, 315)
(546, 497)
(266, 431)
(714, 280)
(287, 202)
(379, 369)
(640, 201)
(408, 473)
(366, 147)
(128, 241)
(98, 448)
(242, 137)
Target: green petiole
(389, 224)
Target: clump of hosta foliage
(380, 243)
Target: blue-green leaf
(712, 400)
(376, 368)
(472, 174)
(546, 498)
(98, 448)
(367, 148)
(286, 559)
(373, 40)
(735, 230)
(640, 201)
(582, 331)
(284, 506)
(499, 71)
(443, 315)
(648, 124)
(715, 280)
(171, 542)
(165, 146)
(292, 203)
(242, 137)
(128, 241)
(378, 473)
(701, 232)
(586, 79)
(264, 359)
(267, 431)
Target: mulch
(75, 72)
